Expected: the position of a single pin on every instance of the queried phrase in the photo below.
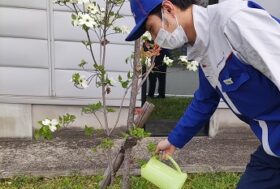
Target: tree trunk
(116, 166)
(130, 119)
(139, 121)
(129, 143)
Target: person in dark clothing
(158, 74)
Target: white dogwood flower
(92, 8)
(83, 1)
(76, 18)
(124, 29)
(192, 66)
(147, 36)
(168, 61)
(183, 59)
(52, 128)
(87, 20)
(46, 122)
(54, 122)
(83, 82)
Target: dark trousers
(262, 172)
(153, 77)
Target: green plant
(136, 132)
(49, 126)
(89, 131)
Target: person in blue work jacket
(237, 45)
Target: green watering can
(162, 175)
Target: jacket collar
(201, 25)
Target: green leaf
(73, 16)
(82, 64)
(125, 135)
(44, 132)
(125, 84)
(66, 119)
(120, 78)
(138, 133)
(129, 76)
(89, 131)
(95, 66)
(76, 78)
(110, 110)
(151, 147)
(92, 108)
(106, 143)
(37, 134)
(85, 28)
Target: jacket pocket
(233, 82)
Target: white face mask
(168, 40)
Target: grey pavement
(71, 153)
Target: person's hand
(166, 148)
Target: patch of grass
(169, 108)
(194, 181)
(73, 182)
(212, 181)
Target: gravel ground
(71, 153)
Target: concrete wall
(15, 120)
(19, 120)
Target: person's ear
(168, 7)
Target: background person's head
(152, 15)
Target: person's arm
(255, 36)
(203, 105)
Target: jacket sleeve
(255, 37)
(203, 105)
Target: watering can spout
(162, 175)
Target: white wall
(40, 50)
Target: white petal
(84, 84)
(54, 122)
(46, 122)
(53, 128)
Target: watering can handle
(174, 163)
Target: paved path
(72, 154)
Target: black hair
(156, 11)
(181, 4)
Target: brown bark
(128, 144)
(130, 119)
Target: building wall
(39, 52)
